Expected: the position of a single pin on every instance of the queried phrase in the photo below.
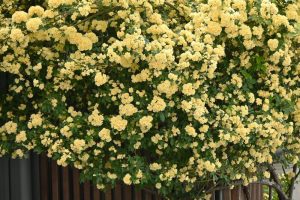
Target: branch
(276, 179)
(176, 9)
(98, 14)
(276, 186)
(292, 184)
(246, 192)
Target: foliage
(179, 95)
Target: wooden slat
(54, 181)
(96, 193)
(251, 189)
(226, 194)
(256, 192)
(44, 178)
(76, 184)
(261, 195)
(118, 192)
(235, 194)
(108, 195)
(127, 192)
(35, 172)
(138, 194)
(87, 191)
(66, 184)
(148, 195)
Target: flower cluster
(179, 95)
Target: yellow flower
(155, 166)
(55, 3)
(211, 167)
(95, 118)
(35, 121)
(273, 44)
(36, 10)
(33, 24)
(104, 134)
(188, 89)
(127, 109)
(145, 123)
(17, 35)
(214, 28)
(191, 130)
(78, 145)
(10, 127)
(127, 179)
(21, 137)
(19, 16)
(118, 123)
(100, 79)
(157, 104)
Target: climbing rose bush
(181, 96)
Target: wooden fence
(40, 178)
(62, 183)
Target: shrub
(180, 95)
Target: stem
(274, 185)
(292, 184)
(270, 193)
(276, 179)
(176, 9)
(246, 192)
(98, 14)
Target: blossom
(55, 3)
(273, 44)
(78, 145)
(214, 28)
(118, 123)
(19, 16)
(188, 89)
(127, 109)
(146, 123)
(95, 118)
(33, 24)
(127, 179)
(157, 104)
(104, 134)
(100, 79)
(21, 137)
(17, 35)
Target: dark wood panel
(87, 191)
(54, 181)
(138, 194)
(118, 192)
(66, 184)
(235, 194)
(35, 173)
(226, 194)
(108, 194)
(44, 178)
(76, 185)
(96, 193)
(147, 195)
(127, 192)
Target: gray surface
(4, 178)
(19, 179)
(296, 195)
